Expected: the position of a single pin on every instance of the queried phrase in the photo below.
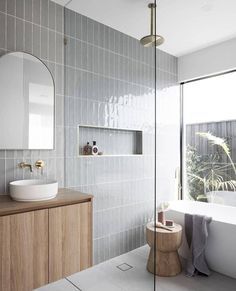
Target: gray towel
(196, 230)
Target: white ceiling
(187, 25)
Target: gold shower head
(152, 39)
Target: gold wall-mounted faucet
(39, 164)
(23, 165)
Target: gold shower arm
(152, 6)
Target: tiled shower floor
(128, 273)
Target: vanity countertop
(63, 198)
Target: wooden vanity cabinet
(70, 240)
(24, 251)
(39, 246)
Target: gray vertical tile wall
(109, 81)
(36, 27)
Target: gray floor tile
(107, 277)
(61, 285)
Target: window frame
(182, 129)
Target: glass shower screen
(117, 96)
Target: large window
(209, 139)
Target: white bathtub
(221, 248)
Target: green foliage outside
(209, 173)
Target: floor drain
(124, 267)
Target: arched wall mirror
(27, 102)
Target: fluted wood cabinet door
(24, 251)
(70, 240)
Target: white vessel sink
(33, 190)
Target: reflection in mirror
(26, 103)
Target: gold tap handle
(39, 164)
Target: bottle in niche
(87, 150)
(94, 149)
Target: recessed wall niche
(110, 141)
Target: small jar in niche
(94, 149)
(87, 150)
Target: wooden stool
(167, 245)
